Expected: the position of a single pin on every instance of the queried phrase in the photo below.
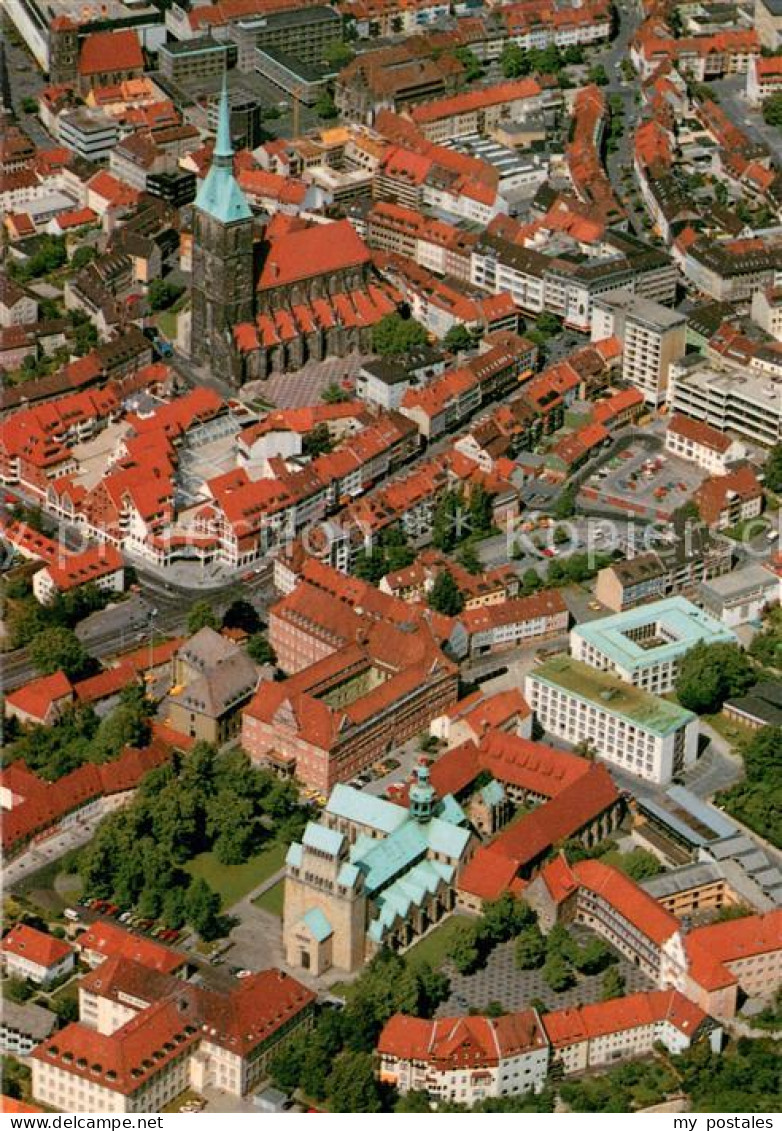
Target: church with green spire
(223, 255)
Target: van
(69, 913)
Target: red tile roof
(699, 432)
(711, 949)
(320, 249)
(113, 941)
(39, 696)
(42, 949)
(565, 1027)
(466, 1043)
(105, 51)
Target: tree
(468, 556)
(30, 105)
(318, 441)
(352, 1085)
(126, 725)
(593, 957)
(557, 974)
(711, 673)
(458, 338)
(530, 948)
(260, 650)
(15, 1076)
(481, 514)
(639, 864)
(173, 913)
(326, 107)
(82, 256)
(597, 75)
(613, 984)
(201, 615)
(161, 294)
(565, 506)
(413, 1102)
(773, 469)
(394, 335)
(338, 54)
(242, 614)
(504, 917)
(202, 908)
(463, 949)
(18, 990)
(514, 62)
(471, 63)
(445, 596)
(772, 110)
(56, 649)
(334, 394)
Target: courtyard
(501, 981)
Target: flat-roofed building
(304, 33)
(741, 596)
(188, 60)
(652, 337)
(645, 646)
(628, 727)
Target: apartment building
(652, 337)
(593, 1036)
(725, 501)
(496, 627)
(730, 399)
(464, 1059)
(699, 443)
(732, 270)
(645, 646)
(629, 727)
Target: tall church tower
(223, 275)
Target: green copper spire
(219, 194)
(224, 149)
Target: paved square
(501, 980)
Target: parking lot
(650, 478)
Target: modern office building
(652, 337)
(188, 60)
(645, 646)
(89, 133)
(304, 33)
(627, 726)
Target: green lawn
(233, 881)
(167, 322)
(732, 731)
(433, 948)
(272, 899)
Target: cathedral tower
(223, 275)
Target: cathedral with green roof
(370, 874)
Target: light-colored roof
(681, 626)
(318, 925)
(365, 809)
(322, 839)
